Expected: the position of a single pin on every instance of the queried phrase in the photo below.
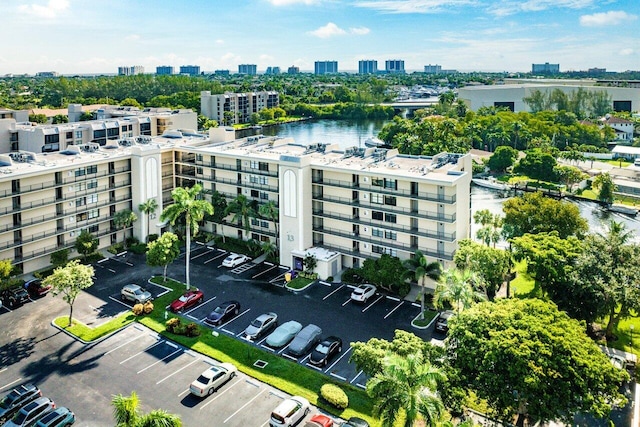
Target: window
(382, 250)
(94, 213)
(254, 222)
(81, 217)
(391, 183)
(255, 193)
(78, 134)
(92, 184)
(377, 215)
(253, 164)
(391, 235)
(390, 200)
(253, 179)
(377, 198)
(199, 170)
(92, 169)
(264, 195)
(81, 201)
(263, 166)
(390, 218)
(124, 128)
(52, 139)
(79, 186)
(263, 180)
(264, 224)
(376, 182)
(92, 198)
(376, 232)
(69, 135)
(198, 157)
(92, 229)
(81, 172)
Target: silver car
(308, 337)
(261, 325)
(135, 294)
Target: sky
(90, 36)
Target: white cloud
(289, 2)
(50, 10)
(219, 41)
(413, 6)
(626, 52)
(132, 37)
(331, 30)
(606, 19)
(266, 58)
(510, 7)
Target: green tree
(605, 187)
(148, 208)
(537, 101)
(491, 226)
(243, 210)
(491, 264)
(526, 357)
(269, 249)
(537, 164)
(124, 219)
(460, 288)
(386, 272)
(419, 269)
(59, 118)
(569, 175)
(126, 413)
(86, 243)
(406, 385)
(503, 158)
(163, 251)
(270, 210)
(38, 118)
(6, 268)
(219, 203)
(534, 213)
(60, 257)
(69, 281)
(187, 205)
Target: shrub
(131, 241)
(352, 275)
(152, 238)
(172, 323)
(330, 279)
(116, 248)
(192, 330)
(138, 248)
(334, 395)
(138, 309)
(60, 257)
(148, 307)
(402, 289)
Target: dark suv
(16, 399)
(14, 297)
(36, 289)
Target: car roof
(264, 316)
(446, 314)
(36, 403)
(309, 330)
(131, 286)
(54, 414)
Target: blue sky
(89, 36)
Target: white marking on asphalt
(288, 356)
(119, 302)
(339, 358)
(122, 253)
(140, 352)
(122, 345)
(264, 271)
(243, 406)
(2, 370)
(415, 304)
(232, 319)
(393, 298)
(102, 260)
(327, 296)
(199, 255)
(158, 361)
(314, 367)
(226, 389)
(394, 309)
(303, 360)
(266, 347)
(215, 258)
(170, 344)
(322, 282)
(283, 349)
(192, 317)
(12, 382)
(160, 286)
(199, 305)
(338, 376)
(346, 302)
(185, 391)
(369, 306)
(354, 378)
(175, 372)
(361, 386)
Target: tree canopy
(163, 251)
(527, 357)
(490, 263)
(69, 281)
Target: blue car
(60, 417)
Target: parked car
(305, 340)
(355, 422)
(14, 297)
(319, 420)
(135, 294)
(59, 417)
(16, 399)
(212, 379)
(35, 288)
(283, 334)
(187, 300)
(325, 350)
(234, 260)
(442, 323)
(363, 292)
(29, 413)
(224, 311)
(289, 412)
(261, 325)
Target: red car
(187, 300)
(319, 420)
(35, 288)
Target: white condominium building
(232, 108)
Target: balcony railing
(235, 168)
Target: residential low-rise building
(232, 108)
(623, 128)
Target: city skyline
(69, 37)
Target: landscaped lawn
(87, 333)
(523, 285)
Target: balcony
(235, 182)
(235, 168)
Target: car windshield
(202, 379)
(321, 348)
(183, 298)
(139, 291)
(257, 323)
(219, 310)
(19, 419)
(358, 291)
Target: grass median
(87, 333)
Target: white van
(289, 412)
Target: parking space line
(215, 257)
(203, 253)
(354, 378)
(160, 286)
(183, 392)
(264, 271)
(369, 306)
(339, 358)
(7, 308)
(288, 356)
(158, 361)
(322, 282)
(2, 370)
(119, 302)
(122, 345)
(338, 377)
(218, 395)
(283, 349)
(198, 306)
(175, 372)
(231, 320)
(415, 304)
(393, 298)
(140, 352)
(7, 385)
(327, 296)
(394, 309)
(303, 360)
(346, 302)
(243, 406)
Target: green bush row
(334, 395)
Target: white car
(289, 412)
(234, 259)
(212, 379)
(363, 292)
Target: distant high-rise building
(130, 71)
(326, 67)
(394, 66)
(367, 66)
(165, 70)
(596, 71)
(433, 69)
(249, 69)
(545, 68)
(47, 74)
(221, 72)
(293, 70)
(192, 70)
(272, 70)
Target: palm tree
(268, 248)
(187, 204)
(406, 384)
(242, 209)
(126, 414)
(418, 269)
(458, 288)
(123, 219)
(149, 207)
(270, 210)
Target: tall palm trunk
(188, 252)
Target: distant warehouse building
(512, 96)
